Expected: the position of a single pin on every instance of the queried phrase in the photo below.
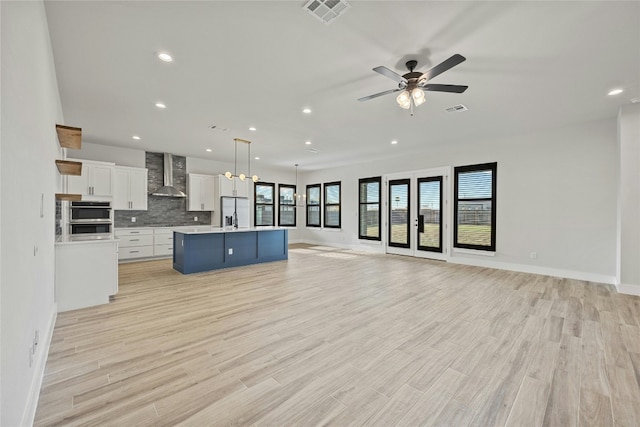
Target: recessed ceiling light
(307, 111)
(307, 143)
(209, 150)
(257, 158)
(135, 137)
(160, 105)
(252, 128)
(615, 92)
(394, 142)
(165, 57)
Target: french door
(416, 213)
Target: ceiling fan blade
(445, 88)
(375, 95)
(390, 73)
(443, 66)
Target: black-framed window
(286, 205)
(264, 192)
(332, 199)
(474, 207)
(369, 218)
(314, 198)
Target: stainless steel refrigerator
(235, 210)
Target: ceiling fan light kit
(413, 84)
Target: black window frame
(293, 204)
(493, 167)
(377, 180)
(319, 205)
(326, 205)
(256, 203)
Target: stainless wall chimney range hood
(168, 190)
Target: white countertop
(211, 230)
(86, 238)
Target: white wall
(136, 158)
(30, 109)
(628, 233)
(556, 196)
(102, 153)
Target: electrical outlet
(133, 219)
(195, 218)
(230, 251)
(533, 255)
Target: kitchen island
(198, 250)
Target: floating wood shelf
(69, 137)
(67, 167)
(69, 197)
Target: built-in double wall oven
(90, 217)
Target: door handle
(420, 223)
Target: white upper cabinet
(232, 187)
(130, 189)
(96, 181)
(201, 192)
(242, 187)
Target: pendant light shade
(418, 96)
(404, 99)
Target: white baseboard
(490, 263)
(534, 269)
(628, 289)
(40, 362)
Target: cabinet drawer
(133, 232)
(163, 239)
(158, 231)
(159, 250)
(135, 252)
(143, 240)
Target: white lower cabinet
(86, 273)
(145, 242)
(163, 241)
(135, 243)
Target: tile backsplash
(163, 211)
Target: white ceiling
(530, 65)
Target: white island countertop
(211, 230)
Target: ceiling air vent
(456, 109)
(326, 10)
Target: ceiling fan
(413, 84)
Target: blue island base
(195, 252)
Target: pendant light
(299, 198)
(242, 176)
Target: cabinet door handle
(133, 252)
(135, 232)
(134, 240)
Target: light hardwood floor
(343, 338)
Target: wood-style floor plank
(340, 337)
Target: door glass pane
(429, 194)
(399, 213)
